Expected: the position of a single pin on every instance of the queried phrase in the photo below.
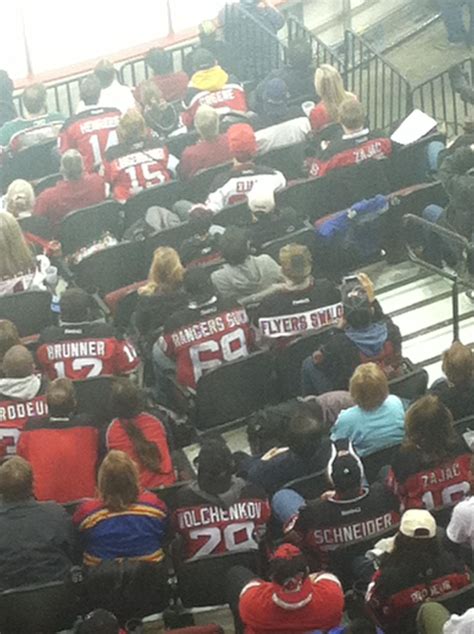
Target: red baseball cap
(242, 141)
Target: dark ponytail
(147, 451)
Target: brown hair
(352, 114)
(429, 428)
(296, 262)
(16, 480)
(61, 397)
(126, 405)
(132, 127)
(166, 272)
(368, 386)
(118, 481)
(458, 364)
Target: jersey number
(228, 535)
(112, 139)
(447, 497)
(150, 176)
(95, 367)
(231, 347)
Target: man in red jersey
(206, 333)
(93, 130)
(21, 397)
(76, 191)
(172, 85)
(80, 348)
(62, 449)
(219, 513)
(292, 601)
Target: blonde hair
(330, 87)
(458, 364)
(150, 94)
(131, 128)
(118, 481)
(368, 386)
(206, 122)
(166, 272)
(296, 262)
(15, 255)
(20, 197)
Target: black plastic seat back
(93, 398)
(235, 215)
(31, 164)
(83, 227)
(44, 608)
(29, 311)
(173, 237)
(406, 164)
(37, 225)
(124, 310)
(177, 144)
(464, 424)
(289, 361)
(305, 236)
(46, 183)
(288, 159)
(410, 386)
(199, 187)
(234, 390)
(374, 462)
(169, 494)
(112, 268)
(161, 196)
(311, 486)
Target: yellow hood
(211, 79)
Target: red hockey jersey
(229, 97)
(200, 339)
(92, 132)
(235, 521)
(84, 351)
(131, 169)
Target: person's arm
(126, 359)
(452, 171)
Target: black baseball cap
(345, 469)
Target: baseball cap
(275, 91)
(261, 200)
(345, 468)
(203, 59)
(286, 551)
(418, 523)
(354, 297)
(242, 142)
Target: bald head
(61, 398)
(18, 362)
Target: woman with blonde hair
(123, 522)
(162, 295)
(377, 419)
(20, 270)
(20, 198)
(330, 88)
(139, 161)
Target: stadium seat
(177, 143)
(173, 237)
(31, 164)
(236, 215)
(83, 227)
(288, 159)
(197, 190)
(169, 494)
(288, 361)
(110, 269)
(124, 308)
(311, 486)
(161, 196)
(36, 225)
(46, 183)
(374, 462)
(30, 311)
(464, 424)
(407, 164)
(93, 396)
(200, 629)
(410, 386)
(305, 236)
(46, 608)
(233, 390)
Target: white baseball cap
(418, 523)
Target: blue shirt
(373, 430)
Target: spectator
(457, 390)
(20, 199)
(20, 270)
(212, 86)
(377, 419)
(292, 601)
(431, 469)
(366, 335)
(330, 89)
(301, 303)
(160, 116)
(21, 395)
(9, 337)
(212, 148)
(308, 451)
(63, 449)
(206, 333)
(234, 186)
(113, 94)
(452, 12)
(268, 221)
(138, 161)
(122, 523)
(461, 526)
(7, 106)
(337, 528)
(162, 295)
(77, 190)
(140, 435)
(222, 51)
(415, 568)
(275, 108)
(200, 505)
(173, 85)
(356, 145)
(36, 538)
(265, 13)
(245, 278)
(38, 125)
(204, 245)
(93, 130)
(81, 348)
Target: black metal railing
(384, 91)
(322, 53)
(437, 98)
